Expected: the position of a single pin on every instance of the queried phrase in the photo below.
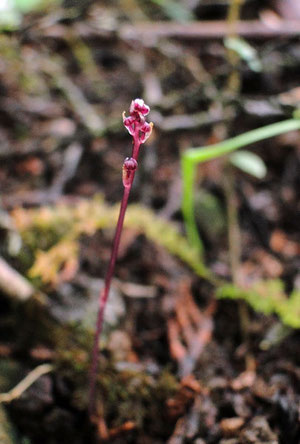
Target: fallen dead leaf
(281, 244)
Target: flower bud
(129, 167)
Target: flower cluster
(136, 123)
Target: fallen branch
(30, 379)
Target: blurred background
(181, 362)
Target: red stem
(135, 147)
(103, 296)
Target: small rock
(230, 426)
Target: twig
(234, 241)
(186, 121)
(234, 79)
(13, 284)
(148, 32)
(133, 290)
(190, 330)
(71, 160)
(30, 379)
(75, 96)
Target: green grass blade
(192, 157)
(203, 154)
(188, 210)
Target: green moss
(50, 228)
(267, 297)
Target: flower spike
(140, 130)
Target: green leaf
(9, 16)
(194, 156)
(175, 10)
(11, 11)
(27, 5)
(245, 52)
(249, 163)
(296, 113)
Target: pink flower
(145, 131)
(136, 123)
(139, 106)
(129, 123)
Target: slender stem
(140, 131)
(103, 296)
(234, 80)
(135, 147)
(234, 242)
(234, 234)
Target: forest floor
(177, 365)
